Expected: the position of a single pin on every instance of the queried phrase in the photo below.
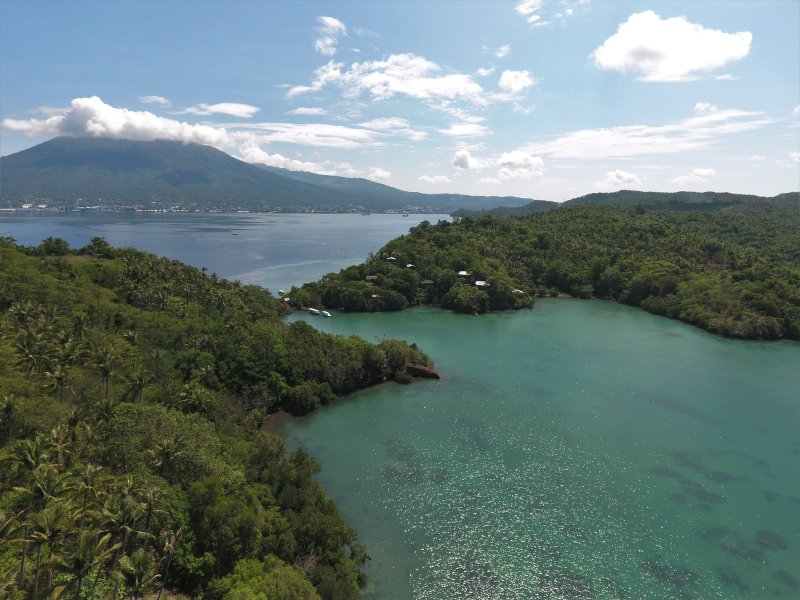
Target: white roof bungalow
(410, 266)
(463, 273)
(517, 292)
(391, 258)
(483, 284)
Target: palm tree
(139, 572)
(103, 413)
(72, 352)
(151, 496)
(170, 546)
(138, 380)
(29, 346)
(61, 445)
(195, 397)
(74, 423)
(105, 360)
(88, 551)
(24, 312)
(90, 483)
(49, 527)
(9, 526)
(23, 458)
(121, 520)
(22, 465)
(164, 454)
(155, 353)
(8, 410)
(58, 374)
(80, 323)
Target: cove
(582, 449)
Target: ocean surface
(582, 449)
(272, 250)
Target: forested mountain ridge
(132, 455)
(365, 191)
(702, 201)
(162, 174)
(733, 271)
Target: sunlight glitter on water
(575, 451)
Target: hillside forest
(734, 271)
(133, 461)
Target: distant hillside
(670, 200)
(502, 212)
(361, 190)
(680, 201)
(158, 174)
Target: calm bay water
(579, 450)
(272, 250)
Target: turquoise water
(579, 450)
(276, 251)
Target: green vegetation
(132, 456)
(733, 271)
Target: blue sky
(545, 99)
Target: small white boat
(325, 313)
(313, 311)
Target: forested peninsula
(132, 456)
(734, 271)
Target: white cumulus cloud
(704, 107)
(465, 130)
(435, 178)
(464, 160)
(91, 117)
(795, 156)
(515, 81)
(518, 164)
(329, 30)
(670, 49)
(528, 9)
(618, 179)
(155, 100)
(234, 109)
(398, 75)
(695, 176)
(378, 173)
(255, 155)
(308, 111)
(503, 51)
